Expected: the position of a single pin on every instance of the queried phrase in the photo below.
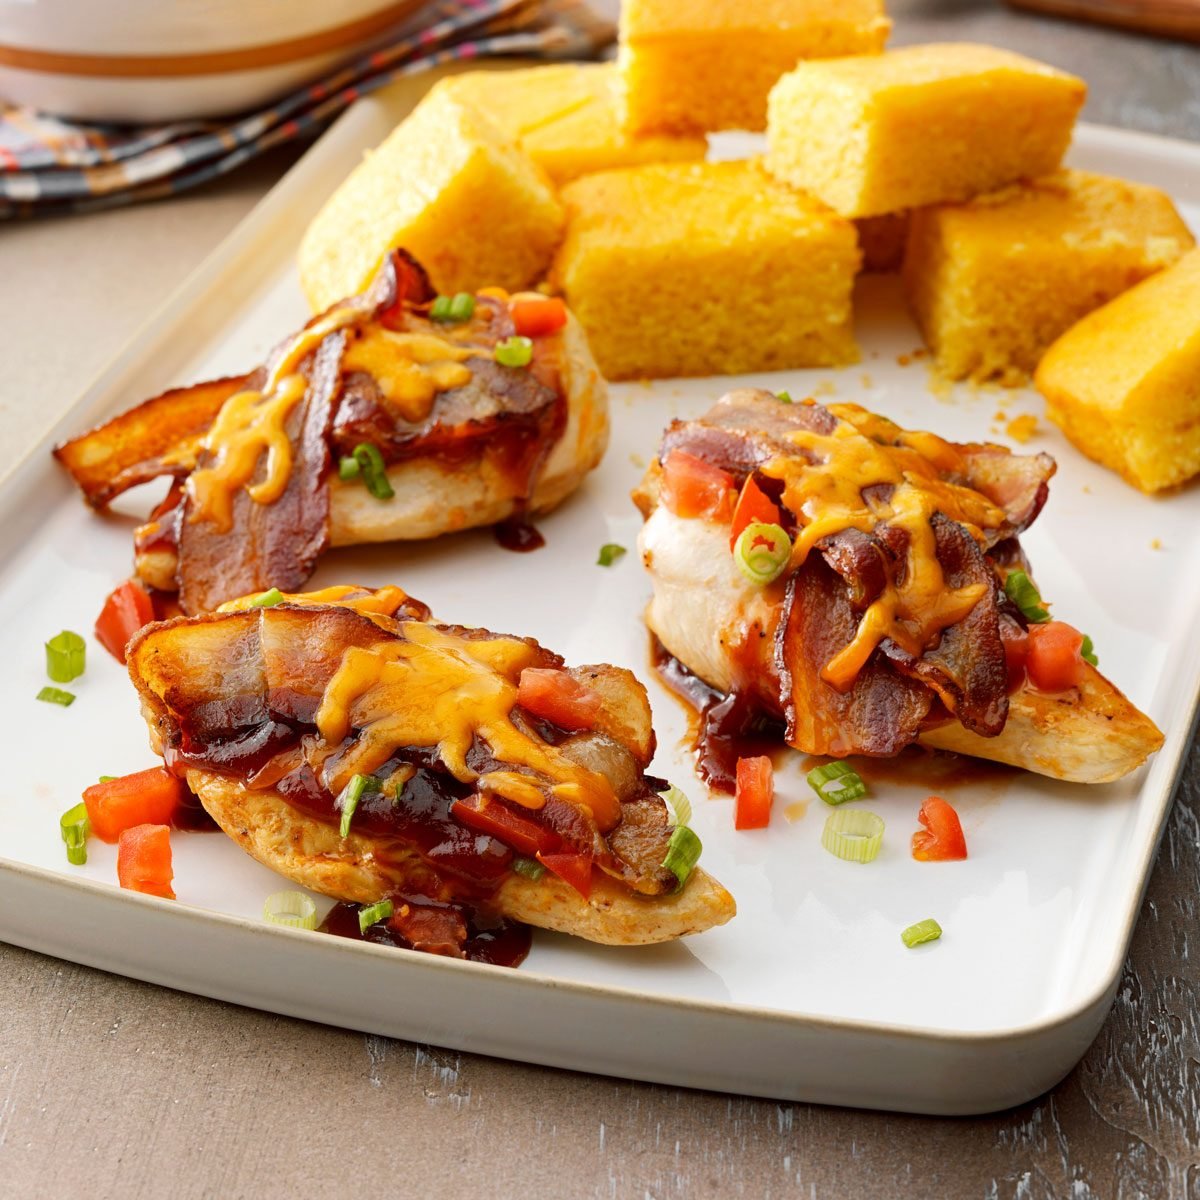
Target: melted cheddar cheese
(824, 489)
(411, 368)
(384, 601)
(435, 688)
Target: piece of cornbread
(882, 240)
(701, 65)
(1124, 384)
(920, 125)
(994, 281)
(706, 269)
(453, 189)
(567, 118)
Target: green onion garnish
(348, 468)
(74, 827)
(373, 914)
(1088, 652)
(923, 931)
(352, 793)
(762, 552)
(267, 599)
(853, 834)
(529, 867)
(66, 654)
(439, 310)
(783, 396)
(836, 782)
(1020, 589)
(515, 351)
(372, 470)
(56, 696)
(457, 308)
(683, 852)
(678, 805)
(293, 909)
(609, 553)
(106, 779)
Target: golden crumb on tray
(706, 269)
(994, 281)
(924, 124)
(1124, 384)
(702, 65)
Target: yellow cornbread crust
(706, 65)
(994, 281)
(706, 268)
(453, 189)
(1124, 383)
(921, 125)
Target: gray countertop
(111, 1087)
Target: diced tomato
(489, 815)
(1016, 651)
(125, 611)
(559, 697)
(754, 791)
(576, 869)
(1055, 663)
(145, 798)
(538, 318)
(752, 505)
(692, 487)
(942, 838)
(144, 860)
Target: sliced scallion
(1020, 589)
(106, 779)
(52, 695)
(836, 782)
(462, 307)
(683, 852)
(66, 655)
(373, 914)
(373, 471)
(923, 931)
(784, 396)
(853, 834)
(762, 552)
(678, 805)
(295, 910)
(529, 867)
(352, 793)
(348, 468)
(515, 351)
(1088, 652)
(609, 553)
(267, 599)
(74, 827)
(439, 310)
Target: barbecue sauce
(517, 534)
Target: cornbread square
(920, 125)
(882, 241)
(453, 189)
(1124, 384)
(567, 118)
(706, 269)
(994, 281)
(697, 65)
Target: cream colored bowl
(162, 60)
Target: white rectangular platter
(809, 993)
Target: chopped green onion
(267, 599)
(106, 779)
(836, 782)
(372, 470)
(683, 852)
(529, 867)
(74, 827)
(462, 307)
(66, 654)
(853, 834)
(1088, 652)
(609, 553)
(678, 805)
(1020, 589)
(762, 552)
(515, 351)
(348, 468)
(784, 396)
(56, 696)
(923, 931)
(439, 310)
(352, 793)
(373, 914)
(292, 909)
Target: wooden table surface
(111, 1087)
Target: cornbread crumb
(1124, 383)
(704, 65)
(795, 811)
(706, 269)
(992, 282)
(921, 125)
(1156, 544)
(1022, 428)
(448, 186)
(1000, 415)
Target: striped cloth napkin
(51, 165)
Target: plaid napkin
(52, 165)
